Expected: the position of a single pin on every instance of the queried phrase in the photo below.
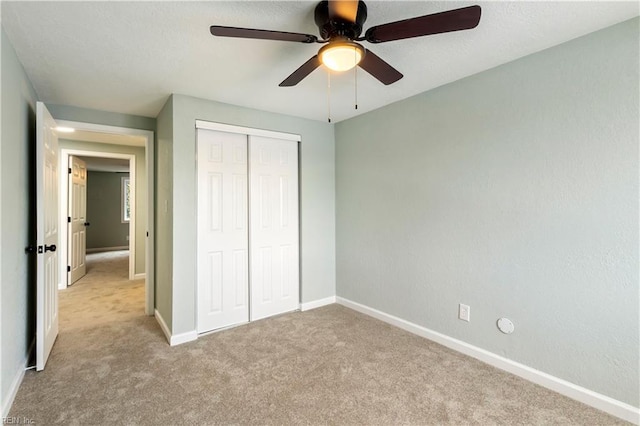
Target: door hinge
(68, 268)
(68, 219)
(69, 170)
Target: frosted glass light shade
(341, 56)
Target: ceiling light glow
(341, 56)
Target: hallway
(105, 295)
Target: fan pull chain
(329, 95)
(355, 72)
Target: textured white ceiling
(129, 56)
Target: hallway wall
(104, 211)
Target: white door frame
(64, 206)
(150, 165)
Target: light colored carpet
(105, 295)
(112, 365)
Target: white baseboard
(140, 276)
(317, 303)
(103, 249)
(176, 339)
(15, 384)
(163, 326)
(601, 402)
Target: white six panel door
(46, 234)
(274, 241)
(77, 212)
(223, 239)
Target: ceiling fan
(340, 23)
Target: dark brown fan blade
(217, 30)
(343, 9)
(378, 68)
(299, 74)
(443, 22)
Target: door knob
(47, 248)
(87, 224)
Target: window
(126, 199)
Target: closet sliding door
(248, 242)
(274, 245)
(223, 236)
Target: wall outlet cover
(464, 312)
(505, 325)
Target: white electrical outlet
(464, 312)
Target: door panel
(274, 239)
(46, 234)
(78, 213)
(223, 238)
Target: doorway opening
(109, 148)
(100, 208)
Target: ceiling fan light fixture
(341, 56)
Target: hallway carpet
(105, 295)
(112, 365)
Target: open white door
(77, 220)
(47, 234)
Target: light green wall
(317, 198)
(141, 188)
(85, 115)
(104, 210)
(514, 191)
(17, 284)
(163, 214)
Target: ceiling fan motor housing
(338, 27)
